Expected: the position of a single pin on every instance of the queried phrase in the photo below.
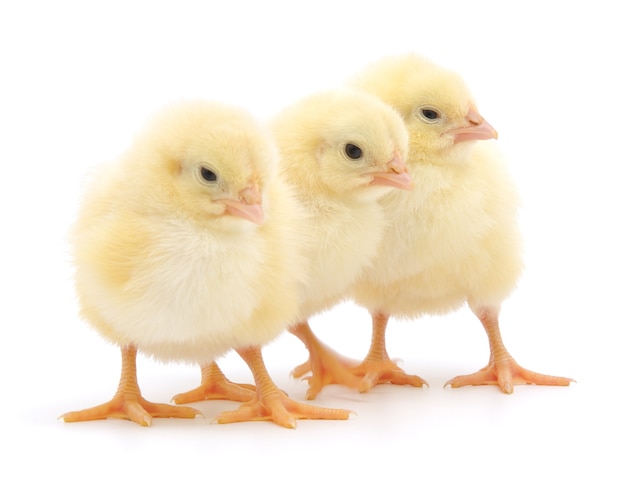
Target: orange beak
(478, 129)
(396, 174)
(247, 207)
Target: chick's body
(185, 247)
(464, 240)
(175, 280)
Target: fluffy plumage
(160, 249)
(186, 247)
(454, 238)
(341, 151)
(459, 224)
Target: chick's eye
(429, 114)
(353, 152)
(208, 175)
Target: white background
(78, 78)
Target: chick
(341, 151)
(185, 248)
(344, 150)
(455, 238)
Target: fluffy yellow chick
(341, 151)
(344, 151)
(185, 248)
(455, 238)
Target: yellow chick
(344, 151)
(341, 151)
(455, 238)
(185, 248)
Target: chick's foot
(272, 404)
(131, 407)
(377, 367)
(384, 371)
(214, 385)
(325, 365)
(502, 369)
(505, 373)
(282, 410)
(128, 402)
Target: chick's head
(206, 161)
(350, 143)
(437, 107)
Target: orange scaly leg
(128, 402)
(325, 365)
(377, 367)
(502, 368)
(214, 385)
(270, 403)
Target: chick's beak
(247, 207)
(478, 129)
(396, 174)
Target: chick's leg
(128, 402)
(325, 365)
(214, 385)
(270, 403)
(377, 367)
(502, 369)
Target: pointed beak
(396, 174)
(478, 129)
(247, 207)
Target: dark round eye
(430, 114)
(353, 152)
(208, 175)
